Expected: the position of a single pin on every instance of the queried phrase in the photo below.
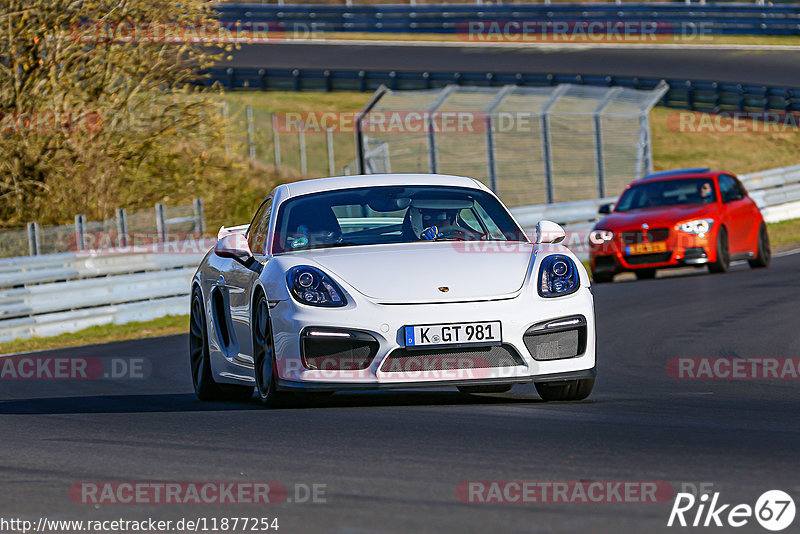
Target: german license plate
(487, 333)
(646, 248)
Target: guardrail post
(331, 161)
(229, 72)
(301, 139)
(161, 223)
(199, 216)
(33, 239)
(80, 232)
(276, 142)
(251, 134)
(122, 227)
(297, 81)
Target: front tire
(565, 390)
(764, 256)
(264, 355)
(645, 274)
(602, 277)
(205, 387)
(723, 263)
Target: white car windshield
(391, 214)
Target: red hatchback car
(684, 217)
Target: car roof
(316, 185)
(692, 172)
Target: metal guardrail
(751, 19)
(698, 95)
(52, 294)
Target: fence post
(331, 162)
(122, 227)
(276, 143)
(161, 223)
(611, 93)
(433, 164)
(547, 153)
(491, 158)
(33, 239)
(199, 216)
(301, 138)
(80, 232)
(251, 134)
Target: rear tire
(565, 390)
(723, 263)
(764, 251)
(493, 388)
(205, 387)
(645, 274)
(602, 278)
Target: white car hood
(414, 272)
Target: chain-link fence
(532, 145)
(299, 142)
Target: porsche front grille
(401, 360)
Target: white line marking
(546, 46)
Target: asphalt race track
(770, 67)
(392, 461)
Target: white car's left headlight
(699, 226)
(311, 286)
(558, 276)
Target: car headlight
(558, 276)
(598, 237)
(700, 226)
(311, 286)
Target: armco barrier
(750, 19)
(51, 294)
(696, 95)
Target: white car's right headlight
(311, 286)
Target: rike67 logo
(774, 510)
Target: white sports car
(389, 281)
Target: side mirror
(233, 246)
(605, 209)
(549, 232)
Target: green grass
(164, 326)
(784, 235)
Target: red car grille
(642, 259)
(637, 236)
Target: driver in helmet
(434, 222)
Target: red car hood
(657, 217)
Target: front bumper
(682, 250)
(385, 323)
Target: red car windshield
(668, 193)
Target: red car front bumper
(678, 249)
